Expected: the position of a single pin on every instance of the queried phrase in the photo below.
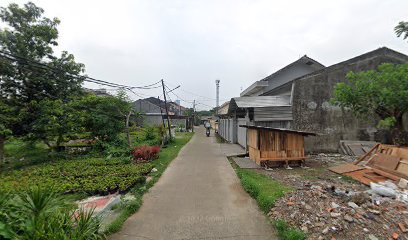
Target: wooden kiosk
(275, 144)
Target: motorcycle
(207, 132)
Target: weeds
(265, 190)
(287, 233)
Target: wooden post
(167, 110)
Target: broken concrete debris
(325, 211)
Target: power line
(13, 57)
(194, 94)
(192, 102)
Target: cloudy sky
(194, 42)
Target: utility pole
(167, 110)
(161, 112)
(192, 128)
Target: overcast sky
(192, 42)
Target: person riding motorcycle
(207, 126)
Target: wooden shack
(275, 144)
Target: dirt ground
(327, 205)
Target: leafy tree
(56, 120)
(6, 119)
(383, 92)
(402, 29)
(105, 117)
(29, 37)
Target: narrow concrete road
(199, 196)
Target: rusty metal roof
(280, 130)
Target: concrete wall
(152, 120)
(143, 106)
(313, 112)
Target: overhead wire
(43, 66)
(192, 102)
(25, 61)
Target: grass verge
(266, 191)
(262, 188)
(285, 232)
(130, 207)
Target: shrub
(145, 153)
(41, 213)
(92, 176)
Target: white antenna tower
(217, 84)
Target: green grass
(285, 232)
(167, 154)
(262, 188)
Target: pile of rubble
(328, 212)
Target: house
(276, 83)
(300, 100)
(266, 102)
(313, 112)
(177, 108)
(153, 112)
(101, 92)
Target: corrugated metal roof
(280, 130)
(262, 101)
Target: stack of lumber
(381, 163)
(356, 148)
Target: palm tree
(402, 29)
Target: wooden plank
(283, 158)
(375, 148)
(384, 160)
(348, 167)
(375, 177)
(393, 175)
(403, 167)
(359, 176)
(403, 153)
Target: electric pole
(193, 116)
(161, 113)
(167, 110)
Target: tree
(6, 119)
(104, 117)
(402, 29)
(383, 92)
(27, 39)
(56, 120)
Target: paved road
(199, 196)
